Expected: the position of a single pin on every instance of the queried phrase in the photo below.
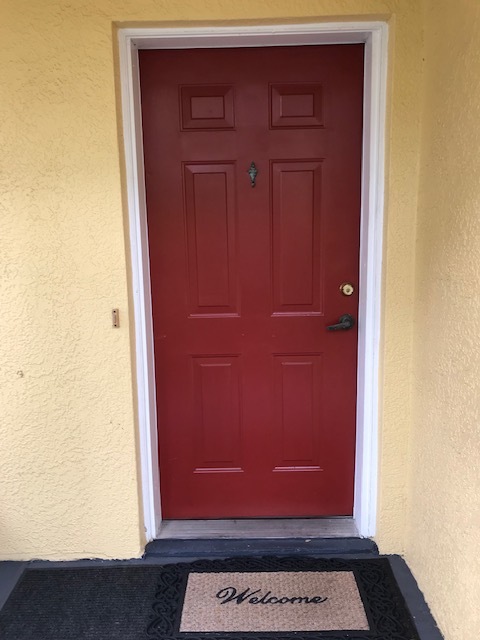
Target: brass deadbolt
(347, 288)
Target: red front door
(256, 398)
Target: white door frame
(375, 37)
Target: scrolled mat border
(385, 607)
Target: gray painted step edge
(419, 610)
(221, 548)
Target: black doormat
(235, 599)
(92, 603)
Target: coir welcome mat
(235, 599)
(281, 598)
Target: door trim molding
(375, 37)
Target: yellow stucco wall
(68, 459)
(443, 543)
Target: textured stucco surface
(68, 454)
(443, 542)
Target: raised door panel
(217, 415)
(296, 231)
(297, 391)
(207, 107)
(296, 106)
(211, 238)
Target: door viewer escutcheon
(252, 172)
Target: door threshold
(265, 528)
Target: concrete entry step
(176, 549)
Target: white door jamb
(375, 37)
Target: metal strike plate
(347, 288)
(115, 318)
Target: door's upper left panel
(207, 107)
